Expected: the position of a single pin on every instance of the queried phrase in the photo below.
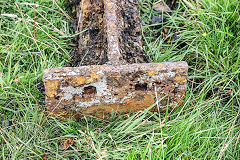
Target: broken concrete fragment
(102, 89)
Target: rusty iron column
(121, 83)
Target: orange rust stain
(115, 74)
(51, 87)
(180, 79)
(129, 105)
(95, 75)
(148, 100)
(81, 80)
(181, 70)
(152, 73)
(133, 104)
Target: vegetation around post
(35, 35)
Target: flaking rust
(93, 46)
(108, 88)
(121, 83)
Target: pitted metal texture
(114, 88)
(115, 79)
(109, 27)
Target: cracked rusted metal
(120, 85)
(109, 26)
(103, 89)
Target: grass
(34, 36)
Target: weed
(33, 37)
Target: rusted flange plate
(102, 89)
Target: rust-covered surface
(92, 42)
(116, 80)
(100, 19)
(103, 89)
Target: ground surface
(206, 34)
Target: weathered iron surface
(102, 89)
(92, 43)
(100, 20)
(113, 40)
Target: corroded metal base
(112, 39)
(107, 88)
